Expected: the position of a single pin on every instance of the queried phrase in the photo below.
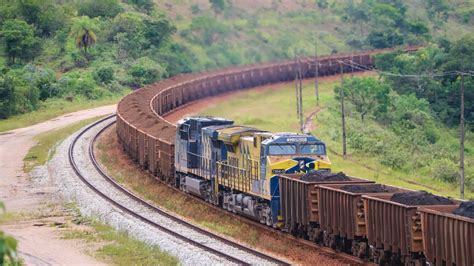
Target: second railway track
(170, 224)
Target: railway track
(331, 252)
(216, 251)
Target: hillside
(375, 151)
(82, 51)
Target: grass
(125, 171)
(114, 247)
(45, 148)
(274, 110)
(53, 108)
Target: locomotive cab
(290, 153)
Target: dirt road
(39, 244)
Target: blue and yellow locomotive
(235, 166)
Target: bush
(393, 158)
(42, 78)
(144, 5)
(86, 86)
(79, 59)
(446, 170)
(145, 71)
(104, 75)
(99, 8)
(7, 97)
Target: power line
(355, 65)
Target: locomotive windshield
(286, 149)
(317, 149)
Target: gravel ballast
(91, 204)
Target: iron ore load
(284, 180)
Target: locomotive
(236, 166)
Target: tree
(83, 32)
(207, 30)
(104, 75)
(145, 71)
(218, 5)
(367, 95)
(438, 11)
(8, 255)
(102, 8)
(158, 31)
(47, 16)
(7, 97)
(20, 41)
(144, 5)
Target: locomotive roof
(216, 119)
(286, 137)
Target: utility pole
(296, 90)
(352, 66)
(316, 73)
(341, 94)
(461, 161)
(300, 76)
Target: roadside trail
(38, 245)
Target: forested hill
(69, 49)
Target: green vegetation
(112, 246)
(45, 144)
(8, 244)
(94, 49)
(119, 247)
(403, 146)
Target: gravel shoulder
(34, 199)
(91, 204)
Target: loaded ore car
(235, 166)
(448, 239)
(394, 229)
(342, 215)
(299, 201)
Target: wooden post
(300, 75)
(296, 90)
(343, 116)
(352, 66)
(461, 159)
(316, 73)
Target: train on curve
(283, 180)
(254, 173)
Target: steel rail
(136, 215)
(307, 243)
(169, 215)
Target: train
(234, 166)
(231, 166)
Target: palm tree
(83, 33)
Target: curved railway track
(220, 253)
